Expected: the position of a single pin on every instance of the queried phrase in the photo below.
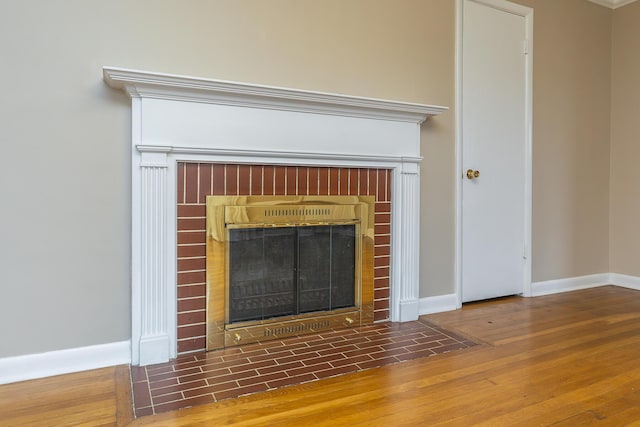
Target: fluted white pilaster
(154, 343)
(407, 241)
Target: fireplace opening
(285, 271)
(282, 266)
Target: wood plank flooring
(564, 360)
(101, 397)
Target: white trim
(528, 173)
(555, 286)
(31, 366)
(612, 4)
(405, 277)
(136, 228)
(301, 157)
(631, 282)
(438, 304)
(144, 84)
(458, 153)
(507, 6)
(527, 14)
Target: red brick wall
(198, 180)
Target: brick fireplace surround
(190, 130)
(196, 181)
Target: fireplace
(181, 120)
(279, 266)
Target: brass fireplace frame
(228, 212)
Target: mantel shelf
(144, 84)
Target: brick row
(195, 181)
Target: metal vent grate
(297, 212)
(294, 328)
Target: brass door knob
(471, 174)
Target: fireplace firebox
(284, 271)
(279, 266)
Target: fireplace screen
(279, 266)
(284, 271)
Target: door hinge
(525, 46)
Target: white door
(494, 141)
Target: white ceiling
(613, 4)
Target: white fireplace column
(154, 344)
(179, 118)
(406, 209)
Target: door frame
(527, 14)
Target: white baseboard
(631, 282)
(569, 284)
(409, 310)
(430, 305)
(442, 303)
(31, 366)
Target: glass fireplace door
(284, 271)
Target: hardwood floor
(101, 397)
(565, 360)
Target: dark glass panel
(314, 268)
(261, 273)
(326, 267)
(290, 270)
(343, 259)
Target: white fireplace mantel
(179, 118)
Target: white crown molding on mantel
(184, 88)
(612, 4)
